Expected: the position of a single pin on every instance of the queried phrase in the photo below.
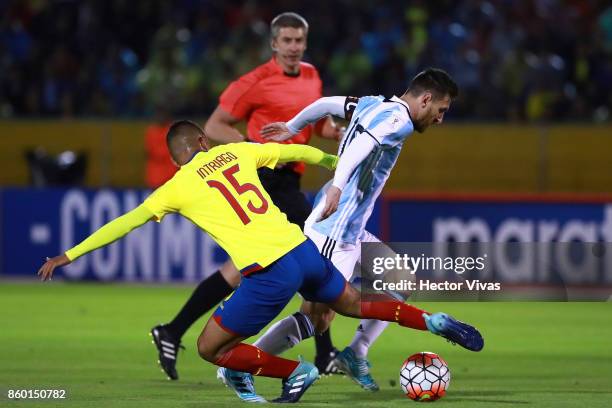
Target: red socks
(250, 359)
(405, 315)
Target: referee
(273, 92)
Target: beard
(419, 126)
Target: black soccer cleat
(455, 331)
(304, 375)
(167, 349)
(326, 364)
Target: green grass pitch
(92, 340)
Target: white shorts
(344, 256)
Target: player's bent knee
(206, 351)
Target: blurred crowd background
(515, 60)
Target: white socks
(291, 330)
(285, 334)
(366, 334)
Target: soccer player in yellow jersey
(218, 190)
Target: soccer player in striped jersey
(377, 129)
(220, 192)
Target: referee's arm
(220, 127)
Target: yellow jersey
(220, 192)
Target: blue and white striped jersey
(387, 123)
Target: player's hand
(331, 202)
(277, 131)
(46, 271)
(334, 132)
(339, 132)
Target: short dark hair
(436, 81)
(179, 132)
(182, 127)
(288, 19)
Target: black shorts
(283, 185)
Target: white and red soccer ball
(424, 377)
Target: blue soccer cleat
(241, 383)
(454, 330)
(298, 382)
(358, 369)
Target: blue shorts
(262, 295)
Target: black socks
(323, 343)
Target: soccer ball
(424, 377)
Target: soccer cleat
(241, 383)
(358, 369)
(304, 375)
(454, 331)
(167, 349)
(327, 364)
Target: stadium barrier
(37, 223)
(42, 222)
(534, 240)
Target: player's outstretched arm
(107, 234)
(307, 154)
(279, 131)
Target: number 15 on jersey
(240, 189)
